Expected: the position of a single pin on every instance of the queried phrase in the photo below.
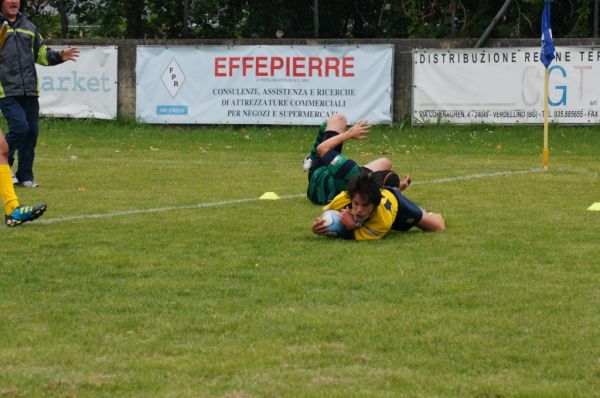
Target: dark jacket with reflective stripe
(23, 48)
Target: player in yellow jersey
(15, 214)
(370, 212)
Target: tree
(134, 10)
(294, 18)
(64, 20)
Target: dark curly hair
(366, 185)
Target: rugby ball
(333, 222)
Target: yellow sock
(7, 190)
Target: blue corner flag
(547, 52)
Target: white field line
(248, 200)
(156, 210)
(478, 175)
(80, 161)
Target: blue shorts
(409, 214)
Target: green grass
(242, 300)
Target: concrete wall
(402, 59)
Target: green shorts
(329, 180)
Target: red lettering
(332, 64)
(290, 66)
(233, 64)
(276, 64)
(315, 64)
(219, 65)
(299, 66)
(246, 64)
(261, 64)
(348, 67)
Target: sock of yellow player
(7, 190)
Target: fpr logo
(173, 78)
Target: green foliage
(208, 292)
(295, 18)
(583, 23)
(49, 24)
(105, 18)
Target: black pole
(595, 18)
(316, 18)
(64, 20)
(453, 18)
(185, 18)
(492, 25)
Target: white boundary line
(479, 175)
(81, 161)
(156, 210)
(248, 200)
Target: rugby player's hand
(405, 182)
(359, 131)
(319, 227)
(347, 219)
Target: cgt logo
(558, 94)
(173, 78)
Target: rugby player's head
(365, 194)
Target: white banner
(263, 84)
(505, 85)
(86, 88)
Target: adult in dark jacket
(22, 49)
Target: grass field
(157, 271)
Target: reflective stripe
(26, 31)
(42, 59)
(372, 232)
(25, 45)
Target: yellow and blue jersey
(395, 211)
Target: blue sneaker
(25, 213)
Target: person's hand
(360, 130)
(319, 227)
(69, 54)
(347, 219)
(404, 182)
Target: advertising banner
(297, 85)
(86, 88)
(505, 85)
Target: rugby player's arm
(358, 131)
(341, 203)
(348, 222)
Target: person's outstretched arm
(359, 132)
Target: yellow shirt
(379, 222)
